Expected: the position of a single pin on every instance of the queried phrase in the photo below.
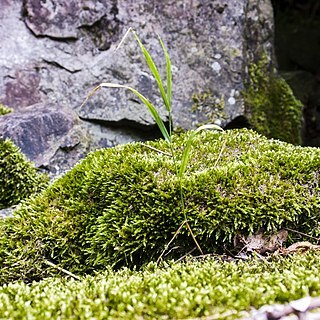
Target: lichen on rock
(270, 104)
(120, 206)
(210, 105)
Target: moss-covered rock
(121, 206)
(271, 106)
(18, 176)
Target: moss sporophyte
(166, 95)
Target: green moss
(210, 288)
(18, 177)
(121, 206)
(271, 107)
(208, 104)
(4, 110)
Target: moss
(270, 104)
(120, 206)
(4, 110)
(209, 289)
(208, 104)
(19, 178)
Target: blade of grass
(145, 101)
(154, 70)
(169, 73)
(169, 82)
(187, 148)
(157, 150)
(124, 38)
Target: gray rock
(57, 51)
(49, 135)
(6, 213)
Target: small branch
(62, 270)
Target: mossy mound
(121, 206)
(18, 176)
(211, 289)
(271, 106)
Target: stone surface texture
(53, 53)
(49, 135)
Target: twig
(155, 149)
(61, 269)
(302, 234)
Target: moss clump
(271, 107)
(224, 290)
(4, 110)
(18, 177)
(120, 206)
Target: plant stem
(194, 238)
(168, 244)
(154, 149)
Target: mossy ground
(271, 106)
(121, 206)
(19, 178)
(211, 287)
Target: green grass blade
(145, 101)
(187, 148)
(169, 73)
(154, 70)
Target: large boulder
(49, 135)
(121, 206)
(58, 51)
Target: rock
(6, 213)
(124, 202)
(57, 51)
(49, 135)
